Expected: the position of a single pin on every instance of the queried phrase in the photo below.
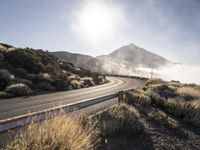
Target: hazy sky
(170, 28)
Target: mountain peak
(135, 56)
(131, 45)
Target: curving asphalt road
(18, 106)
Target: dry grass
(154, 81)
(163, 90)
(77, 84)
(189, 111)
(189, 92)
(87, 78)
(120, 120)
(19, 89)
(60, 133)
(137, 97)
(88, 81)
(72, 77)
(162, 117)
(181, 101)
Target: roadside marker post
(120, 96)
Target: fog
(178, 72)
(182, 73)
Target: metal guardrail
(18, 121)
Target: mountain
(134, 56)
(24, 71)
(124, 60)
(80, 60)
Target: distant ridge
(125, 59)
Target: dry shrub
(18, 89)
(195, 118)
(189, 111)
(20, 72)
(175, 84)
(120, 120)
(154, 81)
(189, 93)
(44, 77)
(164, 90)
(6, 95)
(181, 101)
(163, 118)
(88, 81)
(45, 86)
(60, 133)
(25, 81)
(72, 77)
(137, 97)
(5, 78)
(76, 84)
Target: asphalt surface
(19, 106)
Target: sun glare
(96, 20)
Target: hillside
(124, 60)
(79, 60)
(132, 55)
(25, 71)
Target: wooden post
(120, 97)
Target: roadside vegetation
(170, 112)
(79, 132)
(119, 120)
(179, 100)
(25, 71)
(159, 115)
(63, 132)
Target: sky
(169, 28)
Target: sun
(96, 20)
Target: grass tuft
(120, 120)
(60, 133)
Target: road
(19, 106)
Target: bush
(76, 84)
(25, 81)
(61, 84)
(188, 111)
(195, 115)
(161, 117)
(20, 72)
(31, 77)
(60, 133)
(88, 82)
(27, 59)
(136, 97)
(119, 120)
(5, 78)
(5, 95)
(189, 93)
(18, 89)
(45, 86)
(154, 81)
(43, 77)
(164, 90)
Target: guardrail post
(120, 96)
